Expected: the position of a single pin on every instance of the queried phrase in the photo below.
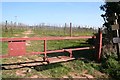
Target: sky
(79, 13)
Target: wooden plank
(115, 27)
(11, 67)
(116, 40)
(33, 64)
(59, 59)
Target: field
(84, 66)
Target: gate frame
(97, 47)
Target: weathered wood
(70, 29)
(118, 44)
(60, 59)
(65, 28)
(116, 40)
(115, 27)
(6, 28)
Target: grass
(53, 70)
(4, 48)
(67, 69)
(12, 33)
(111, 66)
(35, 46)
(9, 74)
(48, 31)
(57, 70)
(64, 44)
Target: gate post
(98, 45)
(45, 50)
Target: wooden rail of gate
(17, 46)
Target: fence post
(6, 29)
(118, 44)
(65, 29)
(70, 29)
(11, 27)
(99, 45)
